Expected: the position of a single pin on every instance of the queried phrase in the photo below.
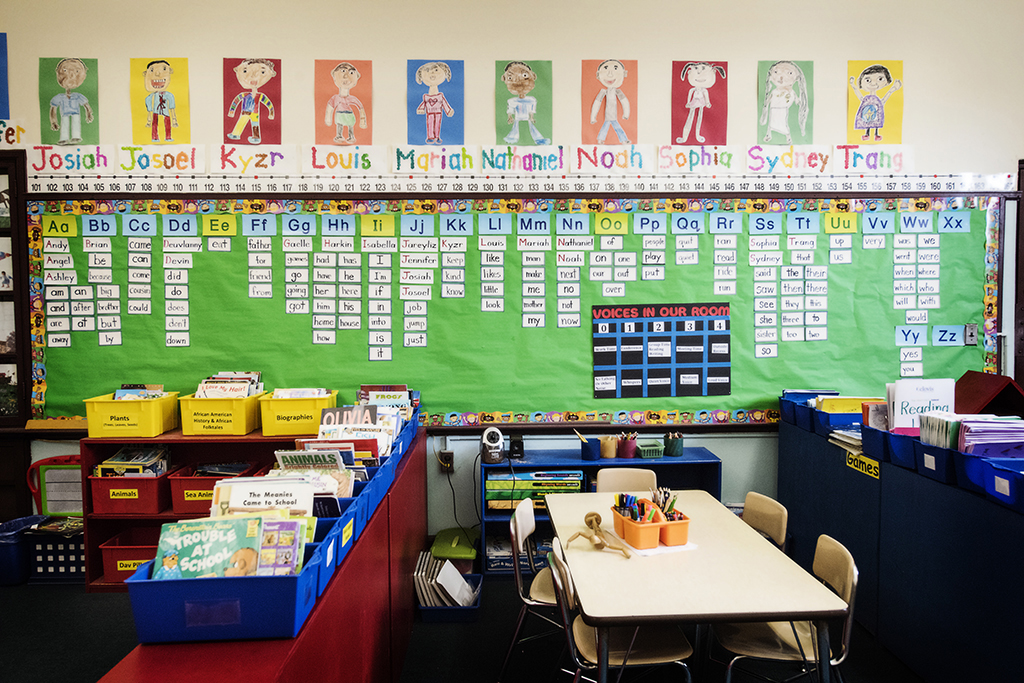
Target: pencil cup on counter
(609, 446)
(674, 445)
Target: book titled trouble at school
(200, 548)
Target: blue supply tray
(236, 608)
(970, 471)
(874, 443)
(14, 555)
(804, 417)
(328, 531)
(901, 450)
(787, 410)
(934, 462)
(825, 422)
(1004, 481)
(346, 529)
(455, 614)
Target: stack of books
(504, 490)
(230, 385)
(439, 584)
(135, 461)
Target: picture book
(281, 547)
(352, 415)
(909, 398)
(301, 393)
(256, 494)
(135, 461)
(203, 548)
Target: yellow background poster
(874, 102)
(159, 96)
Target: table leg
(602, 654)
(824, 652)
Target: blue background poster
(435, 102)
(5, 102)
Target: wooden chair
(769, 517)
(796, 641)
(539, 596)
(627, 646)
(620, 479)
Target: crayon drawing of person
(66, 108)
(785, 85)
(341, 108)
(520, 80)
(251, 74)
(871, 112)
(701, 76)
(159, 102)
(611, 74)
(433, 74)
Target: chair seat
(768, 640)
(542, 588)
(654, 644)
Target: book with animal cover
(201, 548)
(281, 547)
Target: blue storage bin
(406, 436)
(804, 417)
(874, 443)
(327, 532)
(825, 422)
(901, 450)
(970, 471)
(347, 534)
(455, 614)
(222, 608)
(934, 462)
(14, 555)
(787, 410)
(1004, 481)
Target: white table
(732, 574)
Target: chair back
(521, 527)
(620, 479)
(769, 517)
(565, 598)
(834, 565)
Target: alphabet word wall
(529, 306)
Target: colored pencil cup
(627, 448)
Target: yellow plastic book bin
(224, 416)
(144, 418)
(288, 416)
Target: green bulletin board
(486, 305)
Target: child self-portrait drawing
(701, 76)
(871, 112)
(432, 75)
(66, 109)
(251, 75)
(520, 80)
(785, 86)
(611, 74)
(341, 109)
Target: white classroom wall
(962, 82)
